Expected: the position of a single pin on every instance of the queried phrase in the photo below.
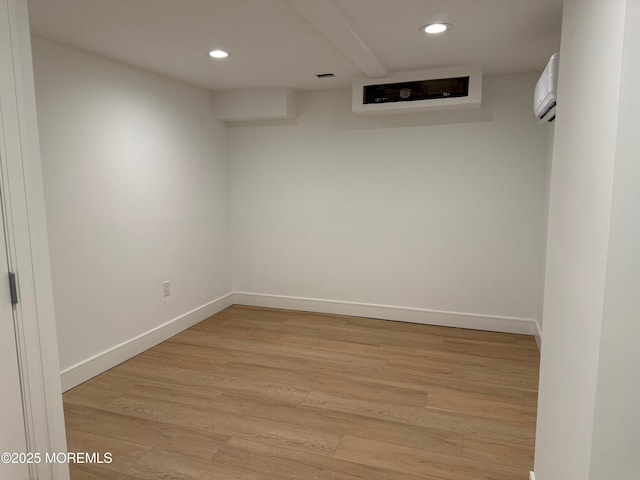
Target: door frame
(28, 252)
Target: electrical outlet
(166, 288)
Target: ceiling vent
(419, 91)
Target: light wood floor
(259, 394)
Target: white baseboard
(538, 336)
(532, 476)
(522, 326)
(89, 368)
(101, 362)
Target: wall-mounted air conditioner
(417, 91)
(544, 99)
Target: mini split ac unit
(417, 91)
(544, 99)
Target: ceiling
(286, 43)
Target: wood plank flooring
(261, 394)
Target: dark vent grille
(546, 112)
(418, 90)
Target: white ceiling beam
(325, 16)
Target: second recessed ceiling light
(434, 28)
(218, 54)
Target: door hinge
(13, 288)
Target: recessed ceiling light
(218, 54)
(435, 28)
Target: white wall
(136, 185)
(589, 383)
(440, 211)
(545, 227)
(616, 425)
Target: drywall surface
(440, 211)
(578, 239)
(136, 186)
(545, 221)
(616, 427)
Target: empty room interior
(326, 239)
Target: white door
(25, 237)
(12, 426)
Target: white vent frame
(473, 100)
(546, 91)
